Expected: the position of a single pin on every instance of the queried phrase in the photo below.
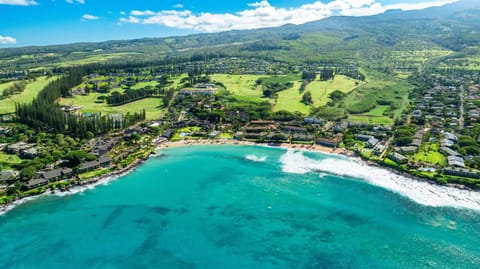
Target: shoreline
(79, 187)
(306, 147)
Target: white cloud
(178, 6)
(263, 14)
(377, 8)
(73, 1)
(89, 17)
(7, 40)
(18, 2)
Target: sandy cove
(316, 148)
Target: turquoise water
(236, 207)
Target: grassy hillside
(90, 103)
(8, 105)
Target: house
(446, 143)
(372, 142)
(450, 136)
(379, 149)
(340, 127)
(302, 137)
(67, 172)
(7, 176)
(30, 153)
(102, 147)
(35, 183)
(449, 152)
(88, 166)
(104, 161)
(461, 172)
(407, 149)
(294, 129)
(456, 161)
(17, 147)
(255, 135)
(398, 158)
(214, 134)
(363, 137)
(168, 133)
(52, 175)
(277, 137)
(239, 135)
(261, 122)
(416, 142)
(313, 121)
(328, 142)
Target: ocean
(228, 206)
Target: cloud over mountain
(263, 14)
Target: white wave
(418, 191)
(255, 158)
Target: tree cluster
(16, 88)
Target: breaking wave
(255, 158)
(424, 193)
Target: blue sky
(42, 22)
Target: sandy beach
(316, 148)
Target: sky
(46, 22)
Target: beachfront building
(462, 172)
(35, 183)
(397, 157)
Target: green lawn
(7, 160)
(379, 87)
(96, 59)
(242, 85)
(321, 89)
(31, 91)
(176, 80)
(374, 116)
(430, 153)
(152, 106)
(144, 84)
(370, 120)
(291, 100)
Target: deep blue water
(235, 207)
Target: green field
(321, 89)
(31, 91)
(430, 154)
(7, 160)
(374, 116)
(242, 85)
(96, 59)
(141, 85)
(291, 100)
(362, 104)
(89, 103)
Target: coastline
(78, 187)
(313, 148)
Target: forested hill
(451, 30)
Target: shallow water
(247, 207)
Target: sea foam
(255, 158)
(424, 193)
